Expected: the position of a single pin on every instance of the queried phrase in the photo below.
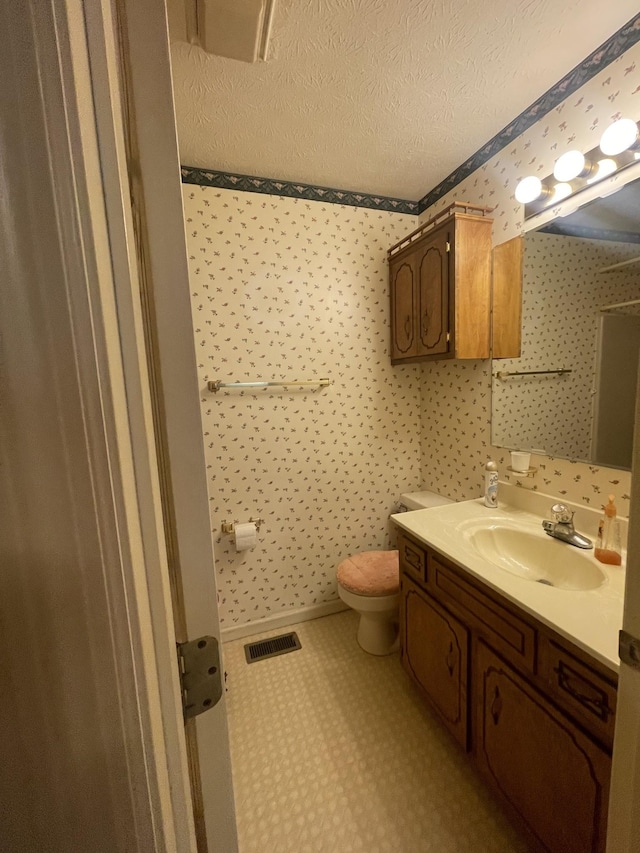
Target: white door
(94, 755)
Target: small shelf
(530, 472)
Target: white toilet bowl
(378, 625)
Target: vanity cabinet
(440, 284)
(535, 713)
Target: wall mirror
(571, 393)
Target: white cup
(520, 461)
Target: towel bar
(216, 384)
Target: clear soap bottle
(608, 544)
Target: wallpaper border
(621, 41)
(610, 50)
(309, 192)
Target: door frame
(120, 118)
(155, 224)
(623, 835)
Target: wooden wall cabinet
(440, 283)
(535, 713)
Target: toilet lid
(370, 573)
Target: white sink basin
(535, 556)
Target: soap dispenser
(608, 547)
(491, 484)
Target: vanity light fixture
(575, 171)
(605, 167)
(572, 164)
(530, 189)
(560, 191)
(619, 136)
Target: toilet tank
(421, 500)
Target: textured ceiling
(379, 96)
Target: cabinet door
(506, 318)
(432, 266)
(434, 651)
(402, 276)
(553, 775)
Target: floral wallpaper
(562, 292)
(455, 409)
(288, 289)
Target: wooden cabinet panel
(433, 293)
(507, 299)
(403, 289)
(537, 713)
(471, 249)
(589, 696)
(507, 632)
(440, 282)
(435, 653)
(555, 777)
(413, 560)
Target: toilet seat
(370, 573)
(369, 583)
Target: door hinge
(448, 246)
(200, 676)
(448, 336)
(629, 649)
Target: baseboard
(290, 617)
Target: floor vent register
(272, 647)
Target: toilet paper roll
(246, 536)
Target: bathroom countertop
(591, 619)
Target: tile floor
(333, 752)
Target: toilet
(369, 583)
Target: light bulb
(570, 165)
(619, 136)
(605, 167)
(528, 189)
(560, 191)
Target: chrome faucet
(562, 527)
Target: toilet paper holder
(228, 527)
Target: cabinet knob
(496, 706)
(425, 323)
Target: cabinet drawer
(413, 560)
(585, 694)
(508, 633)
